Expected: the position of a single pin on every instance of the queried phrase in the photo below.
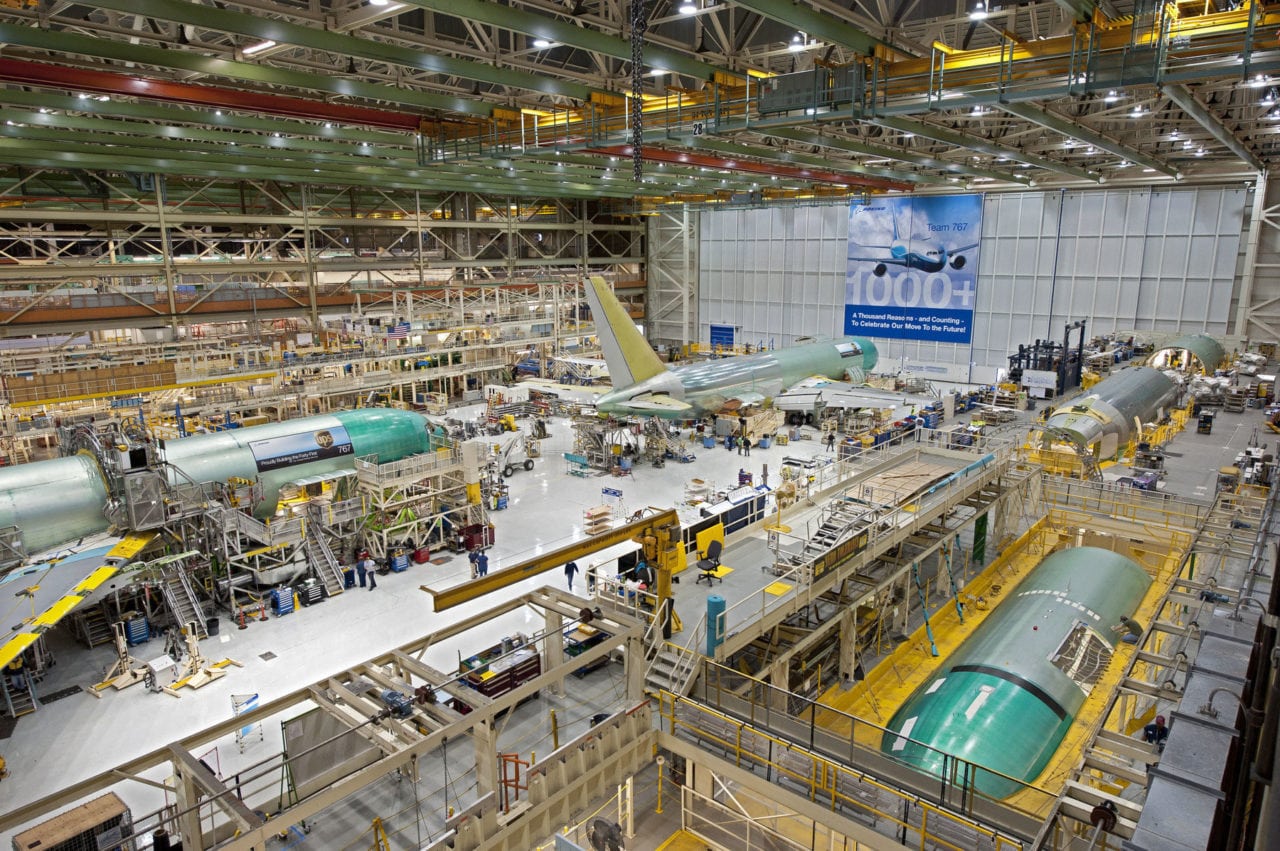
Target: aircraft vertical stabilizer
(626, 351)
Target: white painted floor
(79, 736)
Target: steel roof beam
(62, 43)
(310, 168)
(287, 33)
(508, 17)
(1187, 102)
(1057, 124)
(224, 123)
(775, 155)
(950, 137)
(97, 157)
(814, 23)
(923, 160)
(752, 167)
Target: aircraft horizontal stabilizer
(658, 402)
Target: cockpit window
(848, 350)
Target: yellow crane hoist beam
(447, 598)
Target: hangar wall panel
(1159, 260)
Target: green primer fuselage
(707, 385)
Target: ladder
(18, 702)
(323, 562)
(92, 627)
(182, 600)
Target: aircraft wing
(962, 249)
(658, 402)
(812, 392)
(888, 261)
(45, 593)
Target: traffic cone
(240, 619)
(262, 611)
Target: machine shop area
(662, 426)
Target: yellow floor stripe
(683, 840)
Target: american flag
(398, 331)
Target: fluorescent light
(688, 7)
(258, 48)
(657, 72)
(541, 43)
(379, 2)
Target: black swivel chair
(708, 564)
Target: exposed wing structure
(823, 392)
(658, 402)
(43, 594)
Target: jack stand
(195, 671)
(125, 671)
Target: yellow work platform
(891, 682)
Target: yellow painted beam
(158, 388)
(496, 580)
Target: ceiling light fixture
(1270, 97)
(979, 11)
(541, 43)
(258, 48)
(1137, 112)
(688, 7)
(798, 42)
(1112, 96)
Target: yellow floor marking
(683, 840)
(722, 571)
(777, 589)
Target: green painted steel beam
(950, 137)
(304, 152)
(565, 32)
(734, 149)
(1187, 102)
(90, 152)
(226, 119)
(62, 43)
(286, 33)
(813, 23)
(1080, 10)
(923, 160)
(1046, 119)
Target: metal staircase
(182, 600)
(841, 519)
(672, 669)
(323, 562)
(92, 627)
(18, 702)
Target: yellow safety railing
(824, 779)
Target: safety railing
(797, 754)
(1064, 496)
(884, 529)
(411, 469)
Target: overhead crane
(663, 527)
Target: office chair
(709, 563)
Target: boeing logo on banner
(611, 492)
(912, 268)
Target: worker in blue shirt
(482, 564)
(1156, 733)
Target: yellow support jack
(125, 671)
(195, 672)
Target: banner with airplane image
(913, 268)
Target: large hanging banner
(913, 268)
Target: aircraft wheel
(808, 419)
(528, 464)
(508, 471)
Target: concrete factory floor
(76, 737)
